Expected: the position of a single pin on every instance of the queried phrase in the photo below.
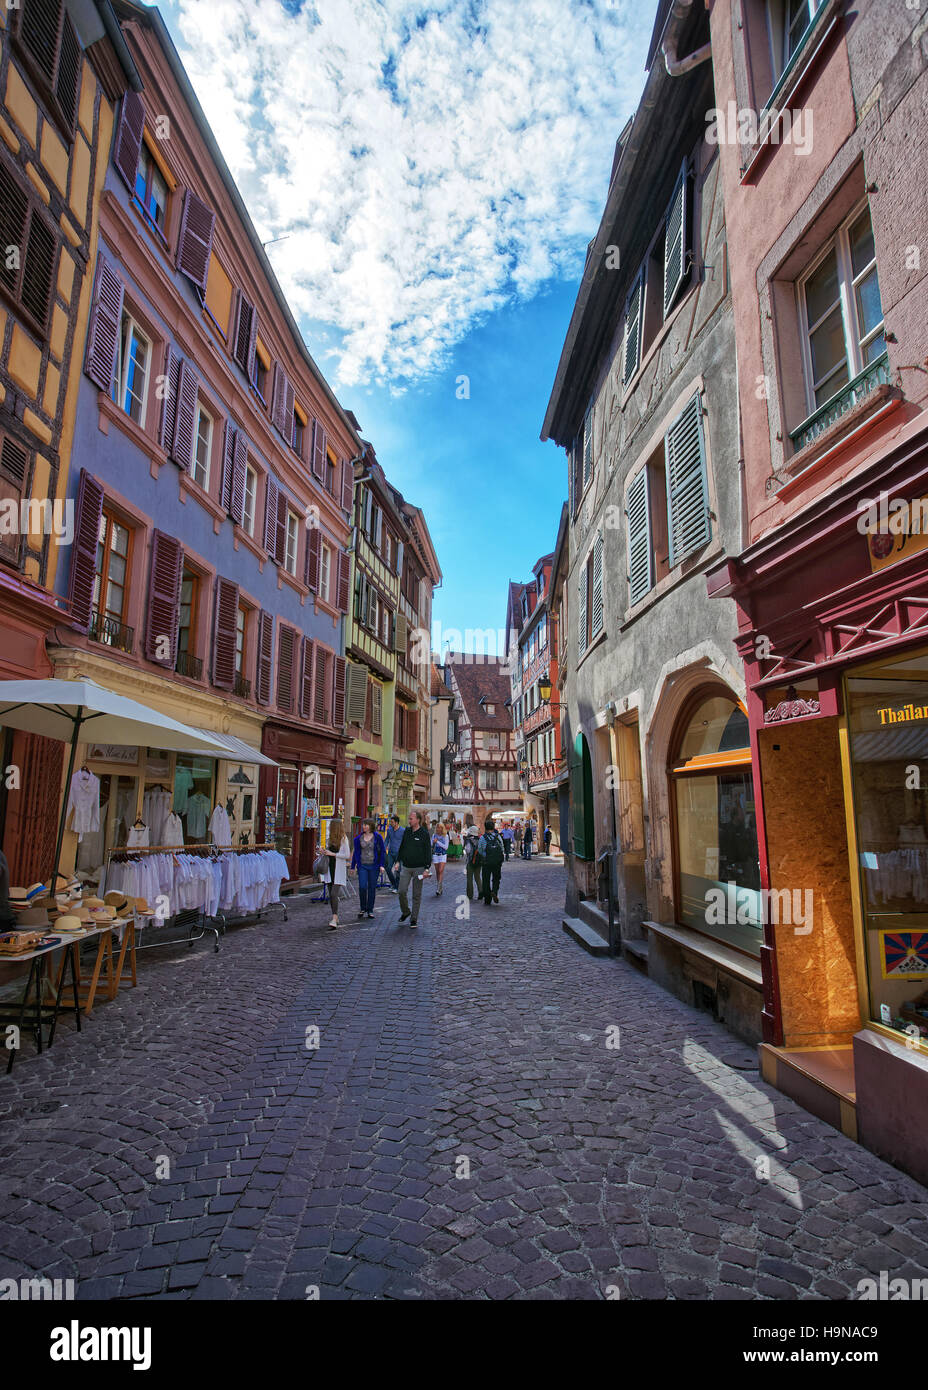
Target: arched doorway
(717, 874)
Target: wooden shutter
(105, 324)
(581, 601)
(14, 460)
(270, 515)
(127, 142)
(338, 693)
(89, 513)
(14, 219)
(289, 403)
(597, 588)
(239, 466)
(347, 486)
(576, 472)
(687, 487)
(229, 435)
(265, 659)
(401, 634)
(244, 333)
(225, 616)
(168, 419)
(195, 239)
(638, 532)
(632, 344)
(38, 269)
(321, 692)
(343, 591)
(306, 679)
(167, 565)
(357, 693)
(185, 426)
(68, 78)
(280, 535)
(318, 463)
(675, 248)
(588, 444)
(376, 708)
(311, 562)
(286, 654)
(278, 391)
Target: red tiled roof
(477, 676)
(438, 685)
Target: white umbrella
(81, 711)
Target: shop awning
(237, 749)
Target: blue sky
(435, 173)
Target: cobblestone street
(475, 1045)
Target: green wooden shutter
(581, 598)
(596, 602)
(588, 444)
(638, 520)
(632, 347)
(687, 488)
(675, 242)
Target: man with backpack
(490, 849)
(471, 858)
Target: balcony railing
(542, 772)
(189, 665)
(242, 688)
(874, 375)
(111, 633)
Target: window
(130, 372)
(151, 189)
(493, 743)
(111, 580)
(204, 442)
(667, 504)
(259, 372)
(251, 493)
(788, 21)
(241, 628)
(293, 540)
(325, 570)
(840, 311)
(28, 282)
(187, 618)
(590, 595)
(491, 709)
(299, 434)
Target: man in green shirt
(415, 861)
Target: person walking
(471, 858)
(393, 841)
(490, 849)
(506, 834)
(547, 839)
(368, 858)
(517, 838)
(415, 861)
(339, 852)
(440, 842)
(527, 840)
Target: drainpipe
(675, 66)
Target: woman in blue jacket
(368, 858)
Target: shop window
(111, 585)
(193, 795)
(251, 493)
(888, 721)
(204, 443)
(841, 313)
(131, 370)
(151, 190)
(715, 826)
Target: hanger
(139, 824)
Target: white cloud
(427, 163)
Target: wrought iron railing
(189, 665)
(875, 374)
(111, 633)
(242, 688)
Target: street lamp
(544, 687)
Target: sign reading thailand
(904, 955)
(906, 714)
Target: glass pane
(717, 855)
(875, 349)
(869, 308)
(120, 539)
(831, 385)
(141, 176)
(822, 289)
(114, 593)
(158, 199)
(827, 346)
(117, 572)
(860, 236)
(717, 726)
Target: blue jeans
(367, 886)
(391, 860)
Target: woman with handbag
(369, 858)
(339, 852)
(439, 855)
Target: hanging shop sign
(327, 812)
(904, 955)
(409, 768)
(113, 753)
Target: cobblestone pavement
(189, 1144)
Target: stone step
(594, 916)
(585, 936)
(638, 949)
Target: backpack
(493, 853)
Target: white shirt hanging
(220, 831)
(84, 802)
(172, 832)
(138, 837)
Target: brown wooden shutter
(195, 239)
(357, 685)
(306, 679)
(311, 567)
(225, 617)
(239, 466)
(14, 220)
(280, 541)
(105, 323)
(338, 694)
(244, 334)
(265, 661)
(185, 426)
(89, 513)
(270, 515)
(282, 400)
(321, 691)
(39, 269)
(277, 393)
(229, 435)
(286, 653)
(127, 143)
(67, 82)
(167, 564)
(289, 403)
(344, 582)
(168, 419)
(347, 486)
(14, 460)
(319, 463)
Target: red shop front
(308, 783)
